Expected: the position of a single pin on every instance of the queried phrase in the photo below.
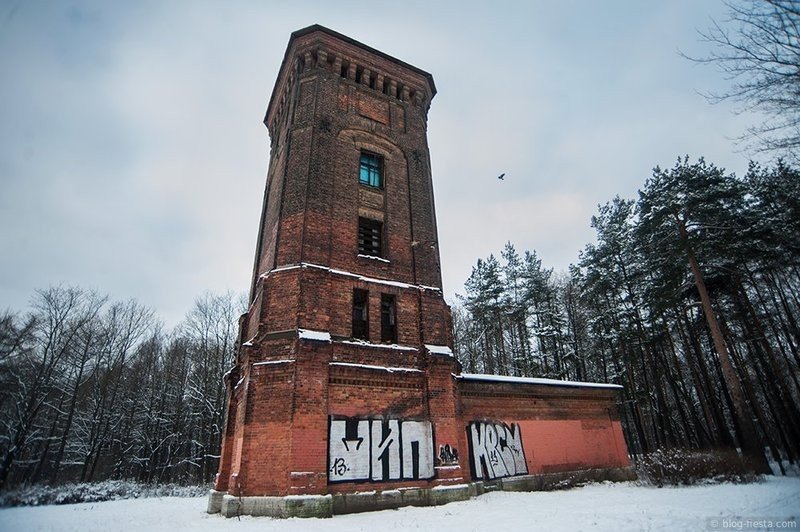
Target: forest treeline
(690, 299)
(94, 389)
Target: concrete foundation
(346, 503)
(215, 501)
(282, 507)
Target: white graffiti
(379, 450)
(496, 450)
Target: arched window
(371, 170)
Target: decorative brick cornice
(317, 47)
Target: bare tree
(122, 327)
(758, 48)
(59, 315)
(210, 328)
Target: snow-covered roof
(535, 380)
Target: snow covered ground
(607, 506)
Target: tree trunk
(749, 440)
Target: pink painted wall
(568, 445)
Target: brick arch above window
(372, 142)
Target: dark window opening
(388, 319)
(370, 237)
(371, 170)
(360, 314)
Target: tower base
(367, 501)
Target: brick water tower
(347, 332)
(345, 395)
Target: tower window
(360, 314)
(370, 237)
(388, 319)
(371, 170)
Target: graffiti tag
(448, 455)
(496, 450)
(379, 450)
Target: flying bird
(501, 176)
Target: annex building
(345, 395)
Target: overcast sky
(133, 156)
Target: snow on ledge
(368, 366)
(373, 257)
(281, 269)
(268, 362)
(447, 487)
(306, 497)
(386, 282)
(535, 380)
(318, 336)
(363, 343)
(439, 349)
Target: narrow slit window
(388, 319)
(371, 170)
(360, 314)
(370, 237)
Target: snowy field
(607, 506)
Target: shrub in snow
(681, 467)
(108, 490)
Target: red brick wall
(285, 418)
(267, 429)
(323, 299)
(315, 173)
(364, 392)
(563, 428)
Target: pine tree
(694, 207)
